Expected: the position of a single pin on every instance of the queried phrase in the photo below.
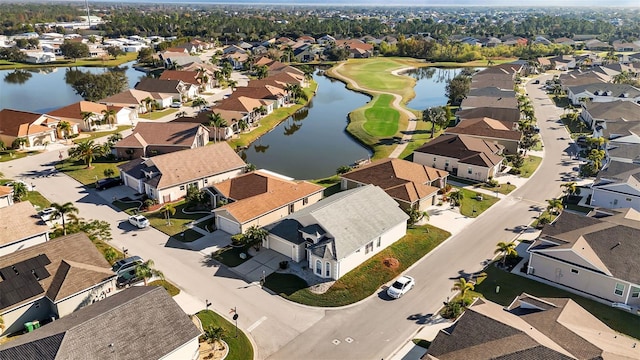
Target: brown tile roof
(267, 81)
(466, 149)
(19, 221)
(74, 111)
(264, 92)
(230, 116)
(486, 127)
(503, 114)
(239, 103)
(166, 134)
(158, 85)
(18, 123)
(286, 77)
(189, 77)
(129, 97)
(5, 190)
(75, 265)
(264, 61)
(258, 193)
(185, 166)
(401, 179)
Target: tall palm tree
(596, 156)
(19, 191)
(506, 249)
(243, 125)
(87, 119)
(462, 285)
(181, 114)
(554, 206)
(64, 128)
(262, 71)
(148, 104)
(199, 102)
(255, 235)
(435, 115)
(146, 271)
(109, 116)
(62, 210)
(168, 210)
(570, 188)
(216, 121)
(232, 84)
(87, 151)
(456, 197)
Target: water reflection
(430, 87)
(260, 148)
(17, 77)
(292, 128)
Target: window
(378, 242)
(368, 248)
(615, 201)
(182, 187)
(290, 208)
(628, 199)
(318, 267)
(206, 181)
(327, 269)
(446, 163)
(434, 159)
(635, 292)
(619, 289)
(574, 271)
(305, 201)
(470, 171)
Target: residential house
(278, 95)
(165, 178)
(52, 280)
(461, 155)
(597, 45)
(357, 48)
(628, 152)
(337, 234)
(203, 81)
(564, 41)
(603, 113)
(113, 326)
(150, 139)
(254, 108)
(490, 42)
(625, 46)
(412, 185)
(503, 114)
(179, 90)
(326, 40)
(471, 102)
(563, 62)
(502, 81)
(136, 100)
(541, 40)
(175, 59)
(611, 70)
(304, 53)
(596, 255)
(491, 130)
(73, 114)
(617, 186)
(20, 225)
(578, 78)
(15, 124)
(233, 49)
(232, 118)
(603, 93)
(306, 39)
(259, 198)
(530, 328)
(6, 196)
(236, 59)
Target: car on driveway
(47, 214)
(127, 278)
(138, 221)
(401, 286)
(176, 105)
(123, 265)
(108, 183)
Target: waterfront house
(178, 89)
(491, 130)
(259, 198)
(231, 118)
(165, 178)
(150, 139)
(136, 100)
(193, 77)
(337, 234)
(74, 115)
(15, 124)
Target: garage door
(228, 226)
(281, 246)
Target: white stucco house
(617, 186)
(20, 227)
(337, 234)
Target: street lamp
(235, 318)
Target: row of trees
(93, 87)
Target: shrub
(343, 169)
(492, 183)
(452, 310)
(237, 240)
(445, 189)
(284, 264)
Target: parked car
(123, 265)
(127, 278)
(176, 105)
(138, 221)
(401, 286)
(536, 81)
(108, 183)
(47, 214)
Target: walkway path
(396, 104)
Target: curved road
(376, 328)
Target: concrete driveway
(262, 264)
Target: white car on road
(401, 286)
(138, 221)
(47, 214)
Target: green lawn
(531, 163)
(375, 74)
(470, 203)
(155, 115)
(110, 62)
(103, 246)
(381, 118)
(8, 155)
(37, 200)
(78, 170)
(331, 184)
(97, 134)
(240, 347)
(171, 289)
(365, 279)
(129, 207)
(188, 236)
(561, 101)
(178, 221)
(421, 135)
(513, 285)
(575, 129)
(504, 189)
(207, 225)
(230, 256)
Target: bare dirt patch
(391, 263)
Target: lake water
(44, 89)
(430, 86)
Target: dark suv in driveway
(108, 183)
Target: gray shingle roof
(503, 114)
(137, 323)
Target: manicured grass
(37, 200)
(187, 236)
(78, 170)
(365, 279)
(504, 189)
(421, 135)
(71, 63)
(8, 155)
(97, 134)
(575, 129)
(230, 255)
(178, 221)
(381, 118)
(561, 101)
(328, 181)
(544, 214)
(578, 208)
(103, 246)
(155, 115)
(240, 347)
(531, 163)
(513, 285)
(171, 289)
(129, 207)
(470, 203)
(375, 74)
(268, 122)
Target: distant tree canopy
(458, 88)
(93, 87)
(74, 50)
(12, 54)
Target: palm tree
(416, 215)
(232, 84)
(109, 116)
(596, 156)
(114, 138)
(18, 143)
(64, 127)
(216, 121)
(596, 143)
(435, 115)
(199, 102)
(168, 210)
(87, 117)
(110, 255)
(87, 151)
(19, 191)
(145, 271)
(181, 114)
(262, 71)
(456, 197)
(554, 206)
(243, 125)
(213, 334)
(62, 210)
(255, 235)
(463, 286)
(570, 188)
(506, 249)
(148, 103)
